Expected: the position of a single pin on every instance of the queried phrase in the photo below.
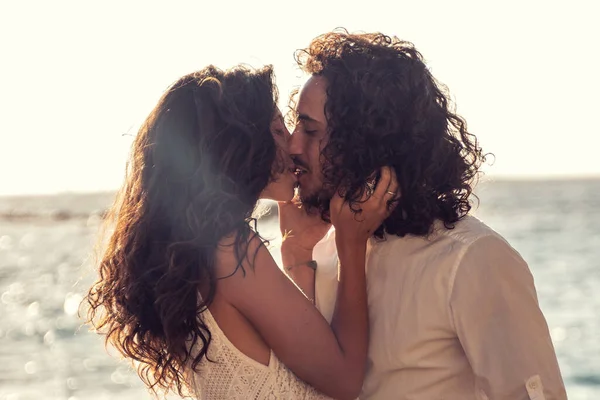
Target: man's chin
(314, 201)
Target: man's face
(308, 139)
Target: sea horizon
(46, 264)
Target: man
(453, 307)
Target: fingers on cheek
(387, 174)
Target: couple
(415, 299)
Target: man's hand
(301, 231)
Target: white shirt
(452, 316)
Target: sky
(78, 77)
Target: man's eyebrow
(305, 117)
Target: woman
(187, 288)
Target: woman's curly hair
(384, 108)
(198, 166)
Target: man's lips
(299, 173)
(299, 170)
(300, 166)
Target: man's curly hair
(384, 108)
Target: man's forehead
(311, 102)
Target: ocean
(46, 264)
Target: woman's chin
(282, 190)
(282, 195)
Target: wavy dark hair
(198, 166)
(384, 108)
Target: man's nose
(296, 142)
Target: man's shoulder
(461, 234)
(447, 241)
(469, 235)
(466, 231)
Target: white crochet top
(233, 375)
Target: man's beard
(316, 202)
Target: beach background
(77, 79)
(46, 266)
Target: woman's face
(281, 188)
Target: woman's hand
(354, 228)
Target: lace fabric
(235, 376)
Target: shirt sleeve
(494, 307)
(326, 275)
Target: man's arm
(300, 268)
(499, 323)
(301, 232)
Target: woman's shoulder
(240, 254)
